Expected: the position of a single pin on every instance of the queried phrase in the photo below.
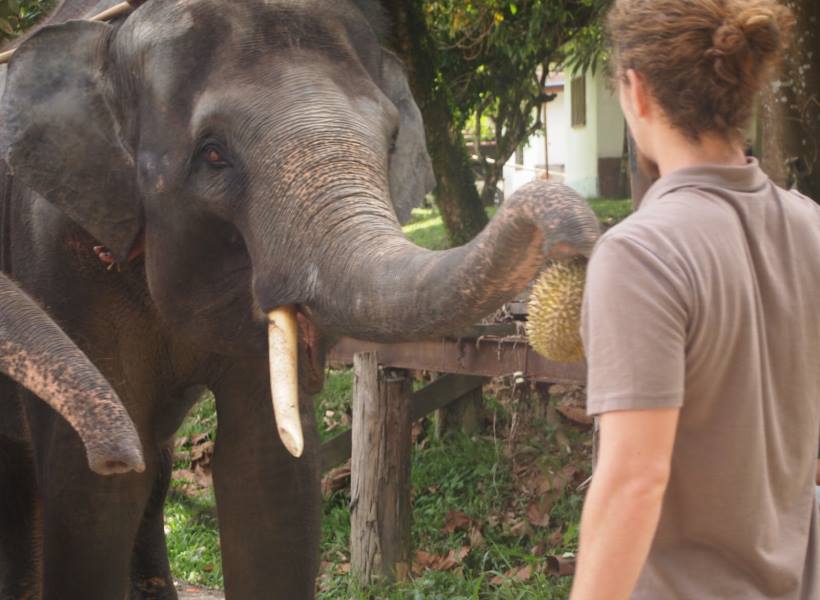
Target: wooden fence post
(380, 472)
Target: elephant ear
(61, 136)
(411, 172)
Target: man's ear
(411, 171)
(638, 94)
(61, 135)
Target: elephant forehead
(145, 32)
(314, 97)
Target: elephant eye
(214, 157)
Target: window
(579, 101)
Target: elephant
(37, 354)
(245, 168)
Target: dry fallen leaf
(538, 512)
(476, 539)
(457, 521)
(437, 562)
(518, 573)
(336, 479)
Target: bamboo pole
(114, 11)
(106, 15)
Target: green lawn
(483, 479)
(482, 486)
(426, 227)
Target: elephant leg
(150, 571)
(18, 498)
(90, 522)
(269, 503)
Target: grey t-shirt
(708, 299)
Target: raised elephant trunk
(383, 287)
(36, 353)
(400, 291)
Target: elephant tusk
(284, 380)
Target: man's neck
(675, 151)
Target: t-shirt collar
(741, 178)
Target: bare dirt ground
(190, 592)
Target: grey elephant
(246, 165)
(37, 354)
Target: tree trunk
(492, 175)
(477, 134)
(790, 109)
(456, 194)
(546, 142)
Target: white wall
(611, 120)
(556, 136)
(582, 142)
(575, 149)
(534, 150)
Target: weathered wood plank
(380, 472)
(486, 357)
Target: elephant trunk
(386, 288)
(396, 290)
(36, 353)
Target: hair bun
(728, 39)
(762, 31)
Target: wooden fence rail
(383, 411)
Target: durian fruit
(554, 312)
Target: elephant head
(37, 354)
(268, 150)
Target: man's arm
(623, 505)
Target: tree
(790, 109)
(18, 15)
(490, 57)
(455, 193)
(496, 59)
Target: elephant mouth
(296, 359)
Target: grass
(611, 211)
(427, 229)
(475, 476)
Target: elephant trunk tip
(115, 454)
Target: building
(584, 143)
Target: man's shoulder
(675, 223)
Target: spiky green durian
(554, 313)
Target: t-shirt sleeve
(633, 328)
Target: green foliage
(494, 57)
(193, 538)
(18, 15)
(587, 51)
(490, 49)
